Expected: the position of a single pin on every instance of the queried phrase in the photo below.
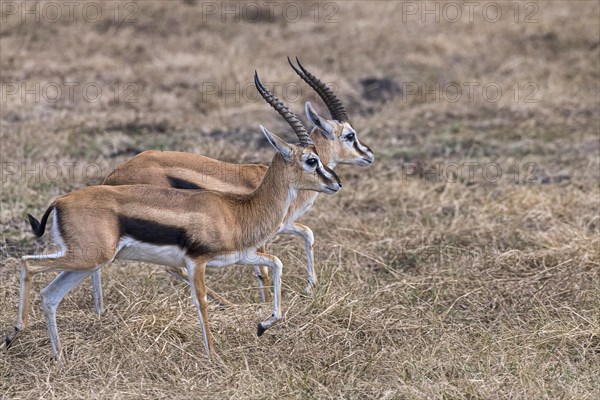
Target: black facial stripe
(322, 175)
(178, 183)
(355, 145)
(158, 234)
(332, 172)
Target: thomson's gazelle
(335, 140)
(181, 228)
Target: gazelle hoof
(11, 339)
(260, 330)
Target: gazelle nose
(336, 184)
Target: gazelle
(335, 140)
(188, 229)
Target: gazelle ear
(280, 145)
(316, 120)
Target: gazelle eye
(312, 162)
(350, 137)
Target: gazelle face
(342, 142)
(306, 170)
(315, 173)
(347, 149)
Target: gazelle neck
(277, 188)
(264, 209)
(323, 147)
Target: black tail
(37, 227)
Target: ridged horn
(289, 116)
(331, 101)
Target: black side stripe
(158, 234)
(178, 183)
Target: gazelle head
(335, 139)
(306, 170)
(304, 167)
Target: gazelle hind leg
(97, 291)
(24, 301)
(197, 276)
(52, 296)
(43, 263)
(60, 261)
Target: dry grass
(429, 288)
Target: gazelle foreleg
(277, 268)
(309, 242)
(252, 257)
(262, 274)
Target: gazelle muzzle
(331, 181)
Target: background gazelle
(180, 228)
(335, 141)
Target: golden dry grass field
(464, 264)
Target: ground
(464, 264)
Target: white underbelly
(131, 249)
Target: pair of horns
(331, 101)
(289, 116)
(325, 93)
